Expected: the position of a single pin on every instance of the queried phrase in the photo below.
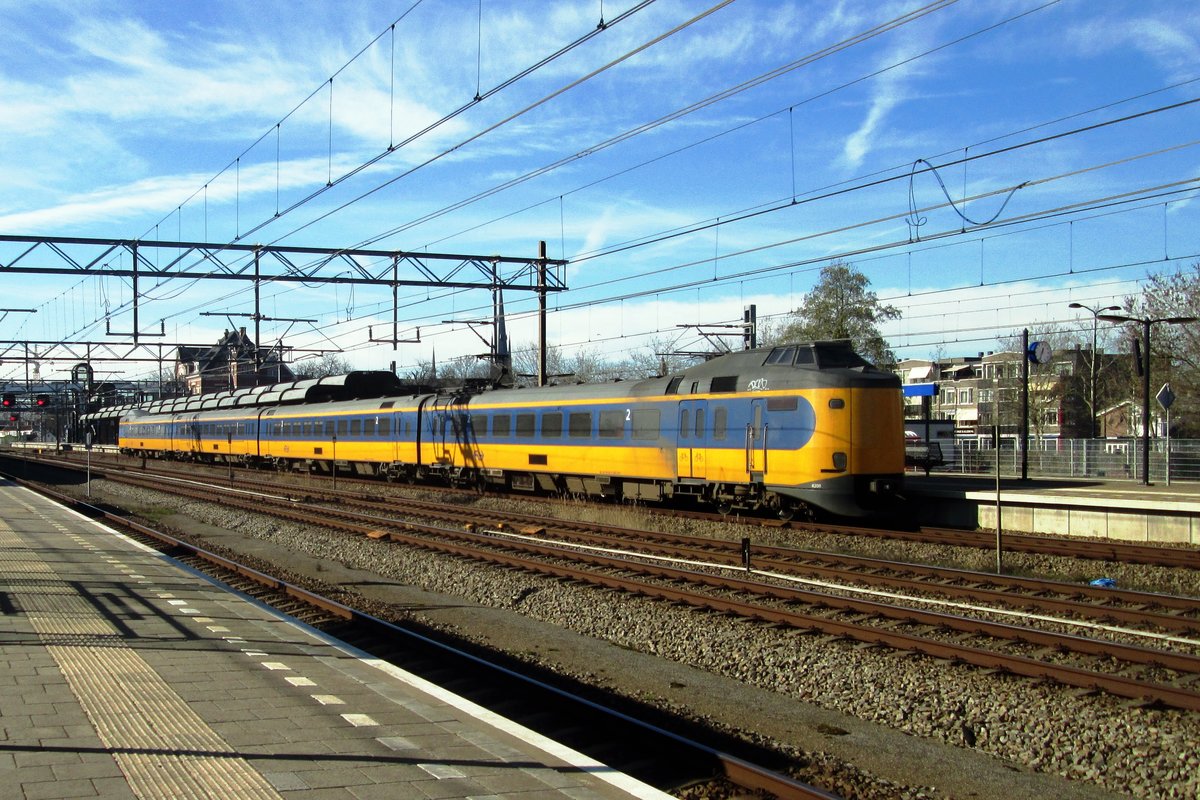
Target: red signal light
(42, 401)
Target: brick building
(234, 362)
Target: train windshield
(838, 355)
(824, 355)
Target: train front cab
(852, 464)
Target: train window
(724, 383)
(685, 425)
(479, 424)
(837, 402)
(673, 386)
(838, 355)
(804, 356)
(341, 427)
(552, 425)
(699, 423)
(579, 425)
(646, 423)
(782, 356)
(720, 422)
(526, 425)
(612, 424)
(781, 403)
(388, 404)
(329, 429)
(501, 425)
(385, 426)
(356, 427)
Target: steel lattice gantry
(158, 260)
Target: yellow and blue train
(803, 428)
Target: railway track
(616, 731)
(1115, 610)
(1146, 674)
(1074, 547)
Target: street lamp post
(1146, 322)
(1095, 312)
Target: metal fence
(1108, 459)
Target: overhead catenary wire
(675, 115)
(983, 155)
(721, 220)
(886, 26)
(331, 182)
(678, 114)
(689, 286)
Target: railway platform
(127, 675)
(1108, 509)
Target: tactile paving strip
(163, 748)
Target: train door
(433, 432)
(691, 451)
(756, 442)
(197, 434)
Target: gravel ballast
(868, 722)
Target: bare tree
(657, 359)
(327, 364)
(1175, 356)
(462, 369)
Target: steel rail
(415, 534)
(1166, 556)
(811, 563)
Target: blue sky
(199, 121)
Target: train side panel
(371, 437)
(786, 429)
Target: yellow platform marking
(164, 749)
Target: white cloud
(1174, 45)
(859, 143)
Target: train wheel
(724, 508)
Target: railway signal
(42, 400)
(10, 400)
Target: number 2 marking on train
(628, 415)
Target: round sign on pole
(1165, 396)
